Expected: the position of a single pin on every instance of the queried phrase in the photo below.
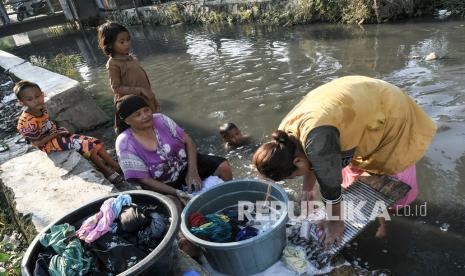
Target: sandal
(4, 147)
(115, 178)
(21, 141)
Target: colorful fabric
(132, 219)
(34, 128)
(70, 258)
(165, 163)
(408, 176)
(389, 131)
(207, 183)
(114, 254)
(120, 201)
(84, 145)
(196, 219)
(98, 224)
(217, 229)
(246, 233)
(155, 230)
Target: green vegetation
(10, 259)
(61, 64)
(284, 13)
(11, 252)
(455, 6)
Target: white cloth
(209, 182)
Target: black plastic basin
(159, 262)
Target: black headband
(128, 105)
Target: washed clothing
(156, 229)
(386, 130)
(70, 258)
(34, 128)
(99, 224)
(119, 202)
(132, 219)
(113, 254)
(43, 261)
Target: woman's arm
(192, 178)
(324, 153)
(162, 188)
(323, 150)
(191, 148)
(308, 186)
(309, 181)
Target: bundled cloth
(102, 222)
(113, 254)
(294, 258)
(209, 182)
(70, 258)
(155, 230)
(219, 228)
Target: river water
(253, 75)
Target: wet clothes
(132, 219)
(70, 258)
(108, 253)
(113, 254)
(43, 261)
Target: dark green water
(253, 75)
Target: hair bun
(280, 136)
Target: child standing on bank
(127, 77)
(36, 127)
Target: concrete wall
(41, 188)
(68, 105)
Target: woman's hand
(307, 195)
(183, 196)
(330, 232)
(193, 180)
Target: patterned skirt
(85, 145)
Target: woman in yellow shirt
(368, 124)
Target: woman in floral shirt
(153, 150)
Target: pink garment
(408, 176)
(99, 224)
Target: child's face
(234, 137)
(122, 44)
(32, 98)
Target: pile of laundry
(109, 242)
(225, 226)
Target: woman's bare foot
(189, 248)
